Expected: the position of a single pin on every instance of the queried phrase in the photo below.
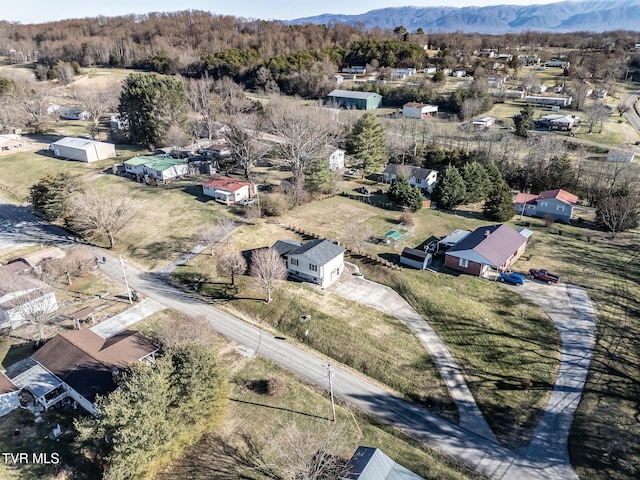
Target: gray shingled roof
(318, 251)
(283, 247)
(351, 94)
(369, 463)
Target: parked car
(246, 201)
(512, 278)
(543, 275)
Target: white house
(483, 122)
(10, 143)
(69, 113)
(418, 110)
(459, 73)
(82, 149)
(430, 70)
(319, 261)
(423, 178)
(228, 190)
(158, 168)
(336, 158)
(23, 297)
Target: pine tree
(319, 177)
(494, 176)
(476, 182)
(523, 121)
(151, 104)
(50, 195)
(367, 143)
(450, 191)
(403, 194)
(499, 205)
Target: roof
(352, 94)
(319, 251)
(78, 143)
(36, 258)
(226, 183)
(483, 119)
(86, 362)
(525, 232)
(6, 385)
(522, 197)
(454, 237)
(369, 463)
(16, 290)
(283, 247)
(155, 163)
(36, 379)
(420, 105)
(491, 245)
(414, 254)
(393, 235)
(409, 170)
(558, 194)
(15, 266)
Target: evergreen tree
(367, 143)
(150, 104)
(523, 121)
(49, 196)
(450, 191)
(320, 178)
(476, 182)
(499, 205)
(561, 173)
(402, 193)
(493, 176)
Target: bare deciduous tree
(107, 214)
(74, 264)
(211, 234)
(231, 263)
(99, 102)
(268, 269)
(595, 114)
(243, 142)
(312, 450)
(304, 134)
(357, 235)
(31, 103)
(618, 213)
(26, 299)
(204, 102)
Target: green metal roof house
(357, 100)
(159, 168)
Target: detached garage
(82, 150)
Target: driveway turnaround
(572, 313)
(387, 300)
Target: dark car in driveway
(544, 275)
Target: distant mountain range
(569, 16)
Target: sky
(39, 11)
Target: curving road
(631, 101)
(18, 225)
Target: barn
(82, 149)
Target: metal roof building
(82, 150)
(352, 99)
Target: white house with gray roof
(319, 261)
(369, 463)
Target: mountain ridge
(561, 17)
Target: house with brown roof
(554, 204)
(228, 190)
(486, 251)
(80, 365)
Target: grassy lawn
(255, 422)
(363, 338)
(606, 420)
(168, 218)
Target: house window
(544, 204)
(531, 207)
(464, 263)
(313, 268)
(293, 261)
(561, 208)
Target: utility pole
(126, 282)
(333, 405)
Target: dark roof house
(486, 251)
(319, 261)
(86, 362)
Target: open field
(256, 422)
(360, 337)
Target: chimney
(487, 233)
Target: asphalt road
(630, 102)
(20, 226)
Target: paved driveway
(572, 313)
(387, 300)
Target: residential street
(19, 226)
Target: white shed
(82, 150)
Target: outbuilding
(419, 110)
(82, 149)
(356, 100)
(415, 258)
